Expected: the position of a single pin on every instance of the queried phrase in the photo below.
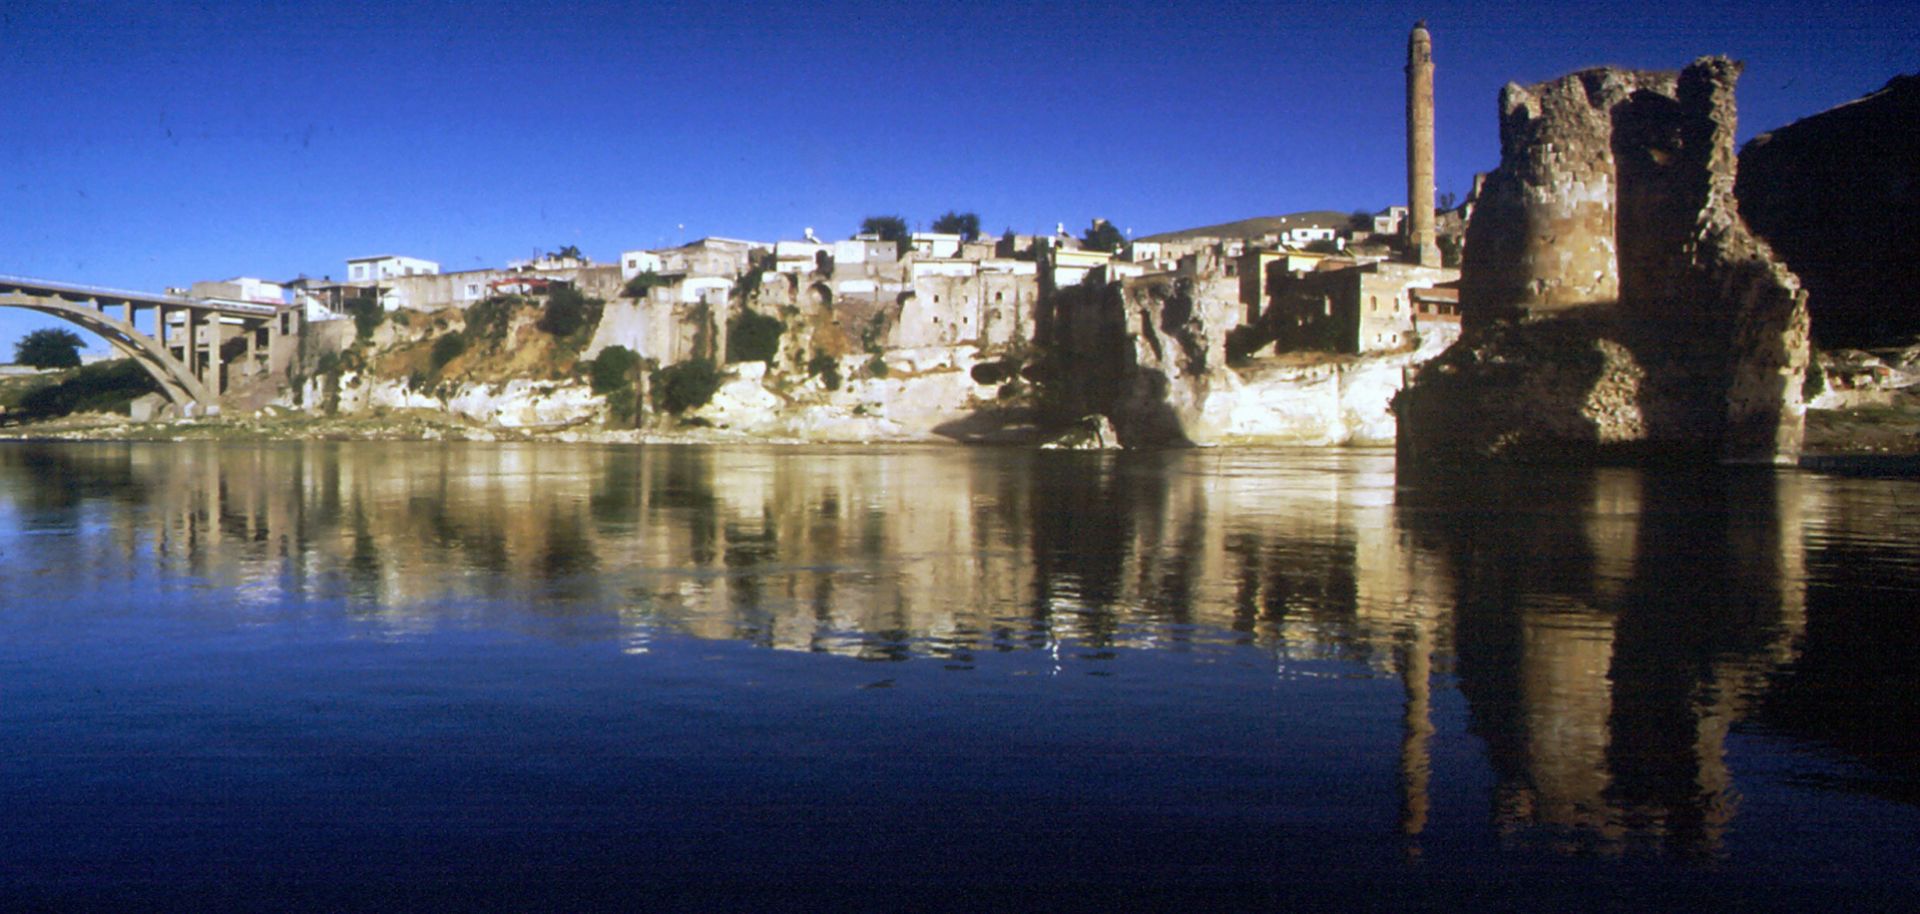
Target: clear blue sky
(151, 144)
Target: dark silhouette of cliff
(1837, 196)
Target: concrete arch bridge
(183, 349)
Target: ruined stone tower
(1421, 246)
(1613, 302)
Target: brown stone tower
(1421, 248)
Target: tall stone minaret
(1421, 248)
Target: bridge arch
(178, 383)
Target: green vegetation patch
(753, 337)
(487, 321)
(684, 386)
(613, 370)
(446, 349)
(640, 285)
(826, 368)
(612, 376)
(50, 347)
(569, 312)
(103, 387)
(367, 315)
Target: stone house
(710, 256)
(1357, 310)
(1252, 270)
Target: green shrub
(877, 366)
(687, 385)
(446, 349)
(613, 370)
(753, 337)
(367, 315)
(488, 321)
(568, 311)
(623, 407)
(101, 387)
(826, 368)
(638, 286)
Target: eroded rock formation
(1613, 302)
(1150, 354)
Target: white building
(799, 256)
(1300, 236)
(387, 266)
(1387, 222)
(634, 263)
(1070, 267)
(936, 244)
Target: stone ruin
(1614, 304)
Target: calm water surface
(406, 676)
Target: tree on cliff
(568, 311)
(889, 228)
(48, 348)
(966, 225)
(1102, 236)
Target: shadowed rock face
(1837, 196)
(1614, 303)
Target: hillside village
(1296, 329)
(897, 335)
(929, 288)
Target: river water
(350, 676)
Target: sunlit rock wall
(1614, 303)
(1150, 355)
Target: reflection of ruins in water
(1606, 627)
(1610, 626)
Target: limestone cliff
(1151, 355)
(1613, 301)
(832, 375)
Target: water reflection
(1606, 628)
(1610, 626)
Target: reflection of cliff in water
(1607, 628)
(874, 554)
(1610, 627)
(1855, 684)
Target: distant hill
(1257, 226)
(1837, 195)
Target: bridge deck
(106, 295)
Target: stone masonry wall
(1613, 300)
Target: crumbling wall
(1611, 296)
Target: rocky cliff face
(1614, 302)
(1837, 196)
(1150, 355)
(825, 382)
